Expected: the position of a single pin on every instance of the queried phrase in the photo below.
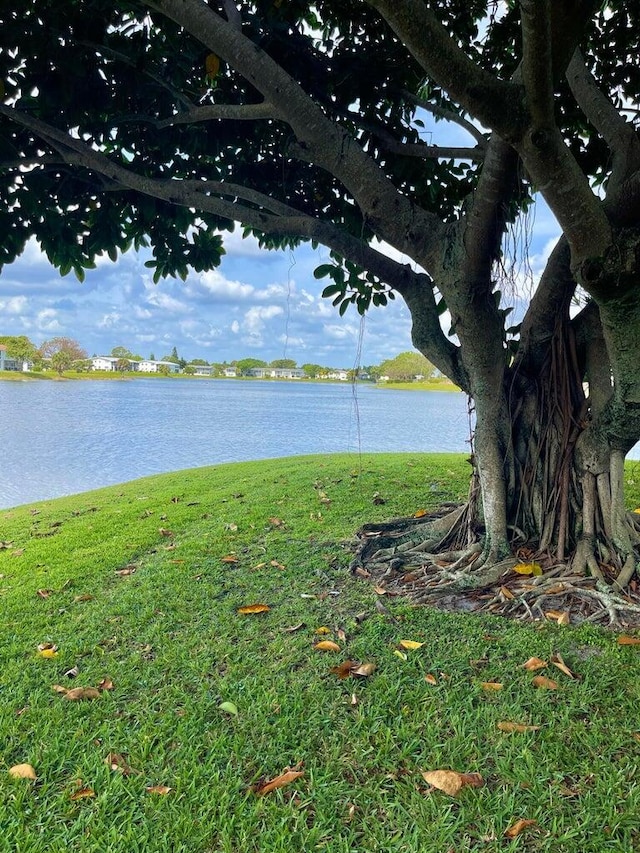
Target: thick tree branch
(215, 112)
(536, 67)
(620, 136)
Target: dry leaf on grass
(285, 778)
(118, 764)
(516, 828)
(558, 662)
(77, 694)
(251, 609)
(451, 782)
(22, 771)
(410, 644)
(431, 679)
(128, 570)
(230, 558)
(327, 646)
(543, 682)
(322, 630)
(353, 668)
(506, 726)
(157, 789)
(82, 794)
(292, 628)
(624, 640)
(491, 685)
(534, 663)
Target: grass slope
(170, 639)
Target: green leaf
(228, 708)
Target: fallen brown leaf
(624, 640)
(293, 628)
(128, 570)
(491, 685)
(105, 684)
(534, 663)
(77, 694)
(506, 726)
(280, 781)
(118, 764)
(506, 592)
(84, 597)
(516, 828)
(451, 782)
(157, 789)
(230, 558)
(44, 593)
(276, 522)
(82, 794)
(343, 670)
(364, 670)
(22, 771)
(544, 682)
(322, 630)
(431, 679)
(558, 662)
(164, 532)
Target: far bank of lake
(63, 437)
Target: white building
(150, 366)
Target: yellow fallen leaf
(327, 646)
(401, 655)
(410, 644)
(280, 781)
(451, 782)
(544, 682)
(491, 685)
(22, 771)
(420, 513)
(534, 663)
(516, 828)
(528, 569)
(249, 609)
(322, 630)
(157, 789)
(48, 653)
(506, 726)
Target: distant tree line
(62, 353)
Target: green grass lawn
(139, 587)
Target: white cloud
(14, 305)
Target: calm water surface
(66, 437)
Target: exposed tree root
(425, 561)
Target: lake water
(60, 438)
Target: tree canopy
(163, 123)
(406, 366)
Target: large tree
(161, 123)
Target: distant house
(230, 372)
(276, 372)
(9, 363)
(150, 366)
(109, 362)
(201, 369)
(342, 375)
